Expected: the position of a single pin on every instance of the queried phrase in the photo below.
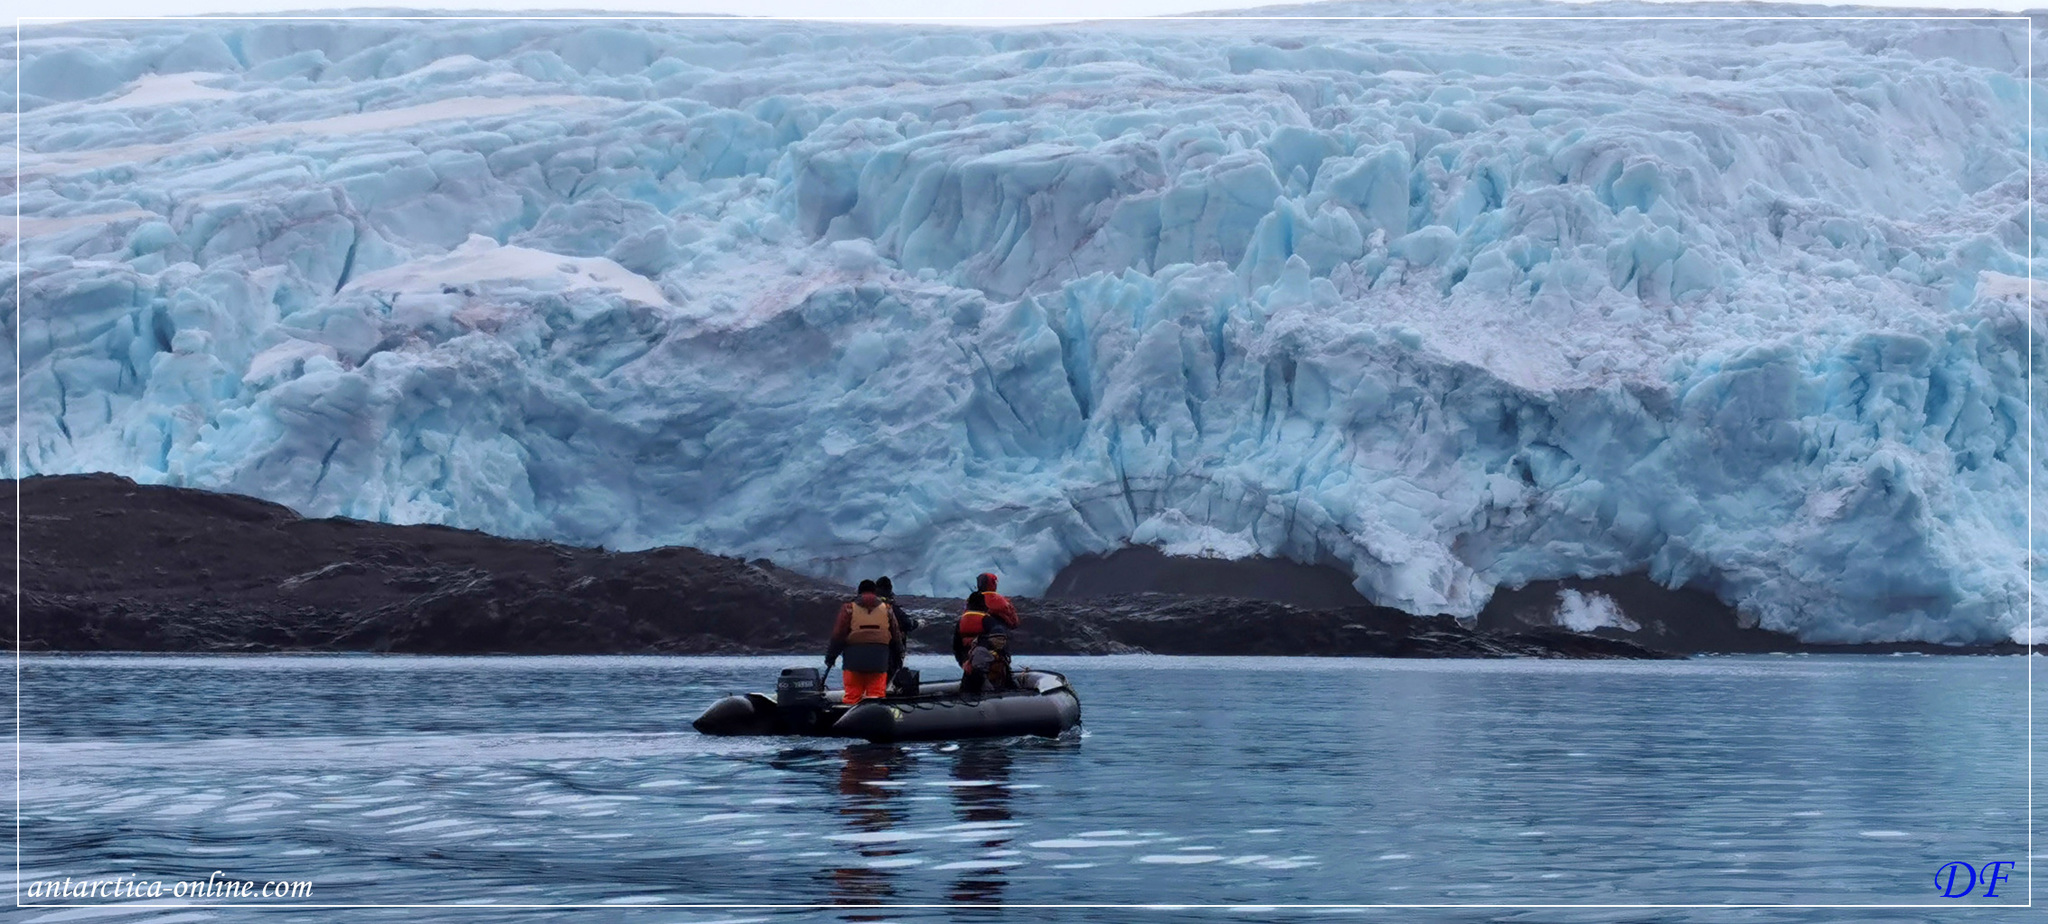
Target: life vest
(970, 627)
(1000, 607)
(868, 626)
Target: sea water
(431, 781)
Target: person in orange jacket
(999, 606)
(973, 623)
(865, 631)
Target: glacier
(1451, 305)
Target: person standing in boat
(866, 631)
(973, 623)
(999, 606)
(886, 590)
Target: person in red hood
(998, 605)
(865, 631)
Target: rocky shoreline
(110, 565)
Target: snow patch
(481, 260)
(1588, 611)
(165, 89)
(2000, 285)
(1175, 534)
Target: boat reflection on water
(981, 796)
(867, 789)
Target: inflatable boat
(1041, 704)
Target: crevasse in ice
(1453, 305)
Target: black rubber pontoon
(1041, 704)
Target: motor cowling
(800, 697)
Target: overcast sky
(901, 10)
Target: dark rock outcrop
(1166, 624)
(110, 565)
(1685, 620)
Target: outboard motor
(800, 697)
(905, 682)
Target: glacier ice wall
(1453, 305)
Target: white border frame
(2033, 639)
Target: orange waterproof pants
(864, 685)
